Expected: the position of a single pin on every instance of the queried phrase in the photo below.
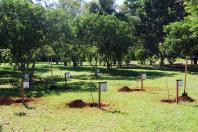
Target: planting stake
(177, 91)
(186, 70)
(142, 85)
(51, 73)
(22, 92)
(99, 96)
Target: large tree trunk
(75, 64)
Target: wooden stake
(186, 70)
(99, 96)
(142, 84)
(22, 92)
(177, 92)
(51, 73)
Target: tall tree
(155, 14)
(23, 29)
(182, 36)
(110, 35)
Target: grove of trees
(99, 32)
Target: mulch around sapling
(9, 100)
(6, 101)
(180, 99)
(81, 104)
(26, 100)
(127, 89)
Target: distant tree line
(101, 33)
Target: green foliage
(182, 36)
(23, 27)
(110, 35)
(5, 56)
(103, 7)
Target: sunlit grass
(138, 111)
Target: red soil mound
(127, 89)
(80, 104)
(185, 99)
(9, 100)
(180, 99)
(77, 104)
(167, 101)
(6, 101)
(96, 105)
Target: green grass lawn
(135, 111)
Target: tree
(182, 36)
(23, 29)
(111, 36)
(154, 14)
(103, 7)
(59, 32)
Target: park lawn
(135, 111)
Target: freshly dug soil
(185, 99)
(26, 100)
(167, 101)
(96, 105)
(80, 104)
(127, 89)
(9, 100)
(6, 101)
(180, 99)
(77, 104)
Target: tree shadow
(123, 74)
(44, 89)
(20, 114)
(115, 111)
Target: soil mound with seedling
(80, 104)
(185, 99)
(9, 100)
(77, 104)
(127, 89)
(180, 99)
(6, 101)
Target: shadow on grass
(49, 89)
(28, 107)
(119, 74)
(20, 114)
(114, 112)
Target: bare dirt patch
(9, 100)
(6, 101)
(180, 99)
(127, 89)
(80, 104)
(168, 101)
(185, 99)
